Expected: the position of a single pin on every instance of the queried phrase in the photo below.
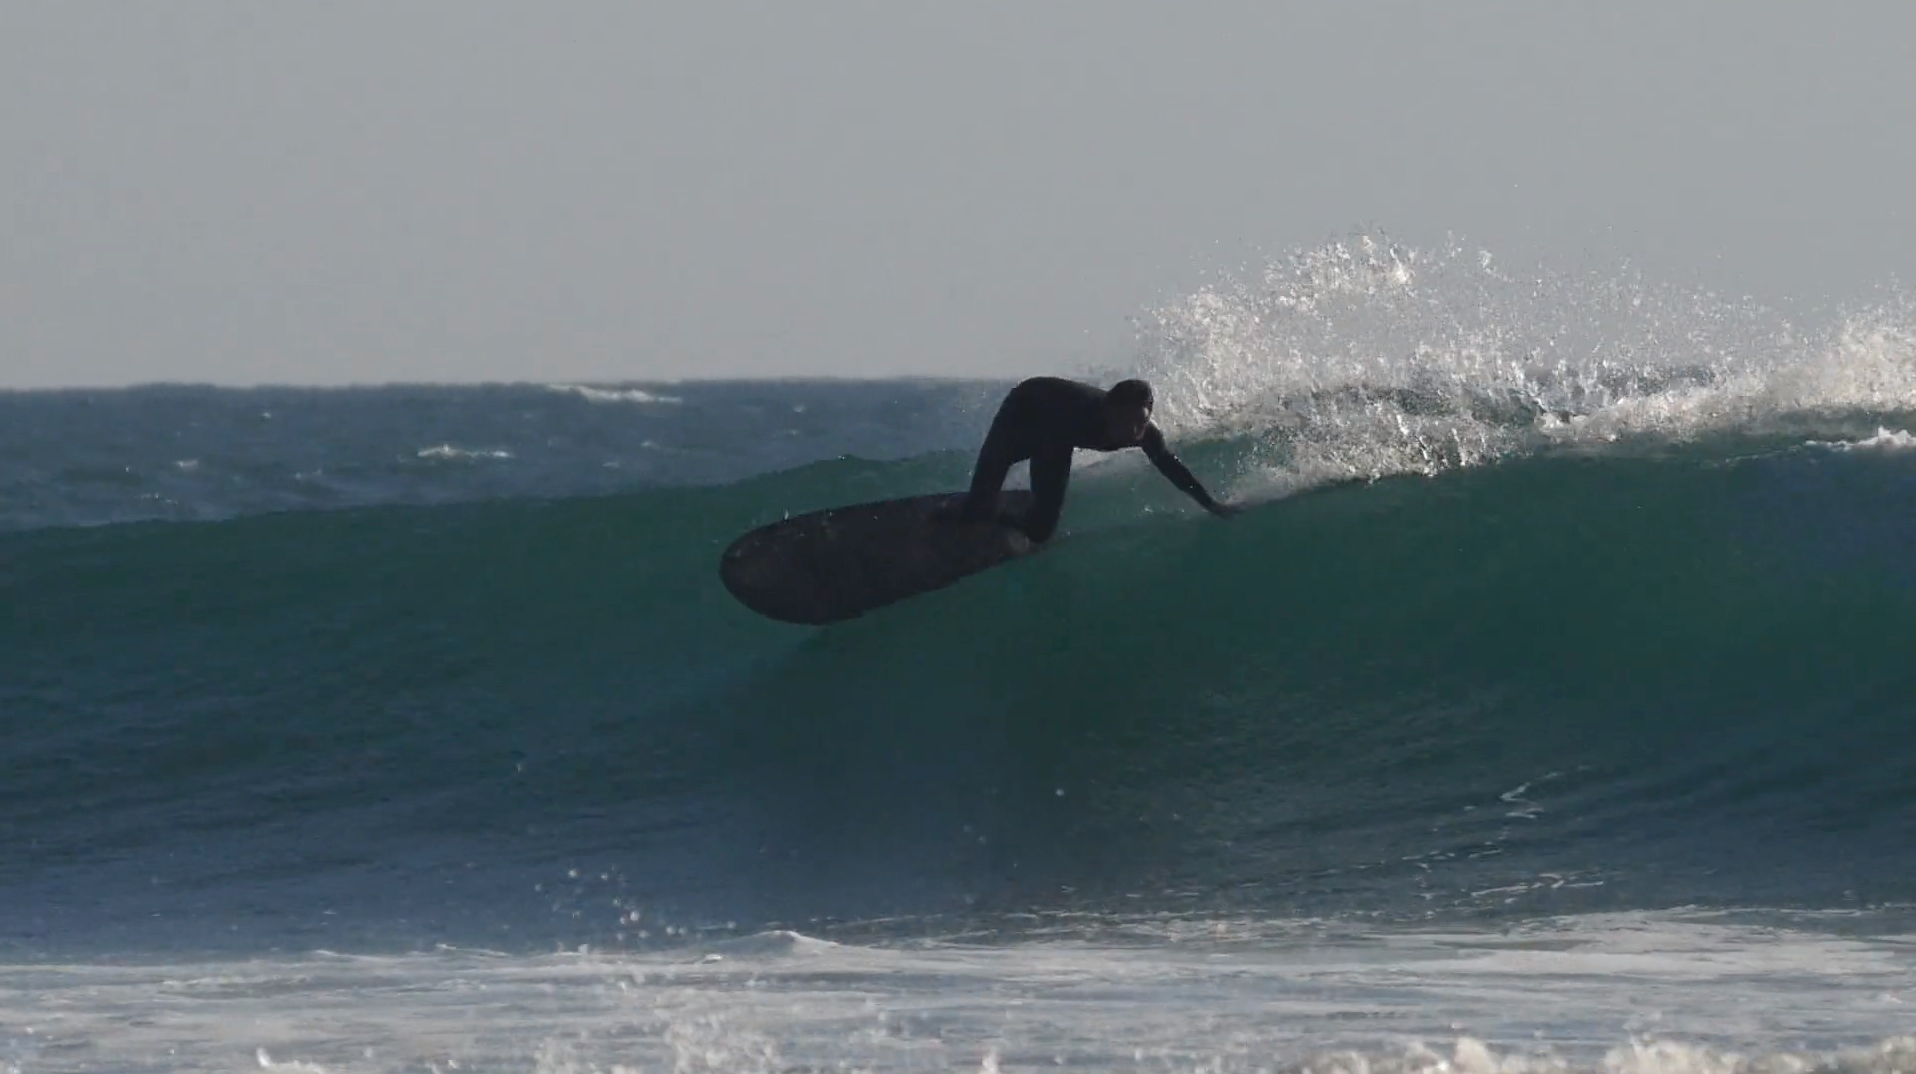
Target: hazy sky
(478, 190)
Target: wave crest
(1363, 358)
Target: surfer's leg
(1050, 472)
(1007, 443)
(995, 460)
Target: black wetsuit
(1043, 419)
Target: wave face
(1535, 614)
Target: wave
(1369, 357)
(615, 395)
(1560, 593)
(1572, 679)
(1882, 440)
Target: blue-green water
(1573, 680)
(1516, 649)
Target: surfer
(1044, 419)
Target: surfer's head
(1127, 410)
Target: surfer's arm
(1169, 466)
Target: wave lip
(1369, 358)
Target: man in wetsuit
(1044, 419)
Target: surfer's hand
(1222, 509)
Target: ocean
(1549, 709)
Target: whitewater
(1549, 710)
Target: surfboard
(841, 562)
